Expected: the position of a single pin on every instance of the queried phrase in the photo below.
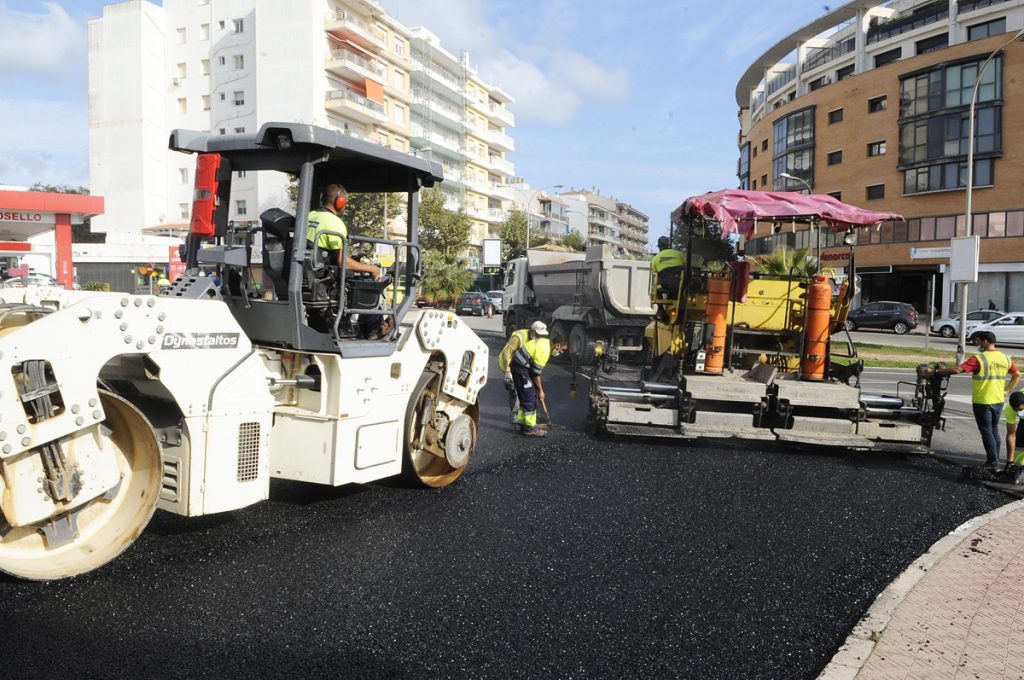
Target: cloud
(43, 141)
(549, 85)
(44, 43)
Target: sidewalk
(956, 612)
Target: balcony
(501, 166)
(502, 191)
(348, 102)
(971, 5)
(347, 26)
(495, 215)
(782, 79)
(422, 71)
(449, 114)
(446, 145)
(347, 63)
(499, 140)
(605, 237)
(501, 115)
(821, 56)
(919, 18)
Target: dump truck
(190, 401)
(583, 297)
(739, 354)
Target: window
(181, 70)
(818, 83)
(206, 102)
(877, 104)
(844, 73)
(223, 131)
(222, 97)
(875, 192)
(240, 207)
(838, 195)
(220, 24)
(180, 36)
(204, 67)
(221, 61)
(876, 148)
(979, 31)
(944, 136)
(793, 148)
(239, 62)
(936, 42)
(754, 187)
(945, 176)
(888, 57)
(764, 144)
(949, 86)
(204, 31)
(835, 157)
(183, 211)
(400, 48)
(835, 116)
(743, 167)
(764, 181)
(237, 25)
(240, 174)
(239, 130)
(755, 152)
(398, 114)
(182, 175)
(182, 105)
(239, 98)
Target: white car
(496, 296)
(1009, 328)
(949, 327)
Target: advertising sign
(492, 252)
(963, 259)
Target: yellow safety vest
(324, 219)
(670, 257)
(988, 385)
(533, 354)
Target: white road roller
(275, 363)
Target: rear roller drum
(437, 447)
(104, 526)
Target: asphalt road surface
(568, 557)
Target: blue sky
(635, 99)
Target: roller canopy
(737, 210)
(359, 165)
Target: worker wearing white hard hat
(522, 360)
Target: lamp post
(529, 207)
(961, 348)
(797, 179)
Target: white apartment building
(228, 66)
(610, 222)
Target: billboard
(492, 252)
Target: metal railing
(356, 98)
(919, 18)
(782, 79)
(351, 57)
(823, 55)
(969, 5)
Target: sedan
(476, 304)
(1009, 328)
(496, 299)
(949, 327)
(899, 316)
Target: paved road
(565, 557)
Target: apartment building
(228, 66)
(612, 222)
(870, 103)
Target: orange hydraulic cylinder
(819, 306)
(715, 315)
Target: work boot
(535, 432)
(519, 427)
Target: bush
(102, 286)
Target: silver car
(496, 296)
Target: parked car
(899, 316)
(949, 327)
(1009, 328)
(474, 303)
(496, 297)
(36, 279)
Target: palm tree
(445, 278)
(787, 262)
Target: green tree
(445, 278)
(80, 233)
(574, 240)
(364, 214)
(442, 230)
(513, 235)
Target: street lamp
(797, 179)
(529, 207)
(961, 348)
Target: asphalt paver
(568, 557)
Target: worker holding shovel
(522, 360)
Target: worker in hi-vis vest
(989, 370)
(1014, 413)
(522, 360)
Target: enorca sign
(200, 341)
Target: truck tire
(104, 526)
(581, 346)
(439, 463)
(510, 324)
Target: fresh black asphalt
(570, 557)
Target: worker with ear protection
(328, 218)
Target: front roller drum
(106, 525)
(437, 448)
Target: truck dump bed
(597, 279)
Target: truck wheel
(436, 456)
(510, 324)
(106, 525)
(580, 345)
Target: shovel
(547, 416)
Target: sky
(634, 99)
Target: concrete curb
(860, 643)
